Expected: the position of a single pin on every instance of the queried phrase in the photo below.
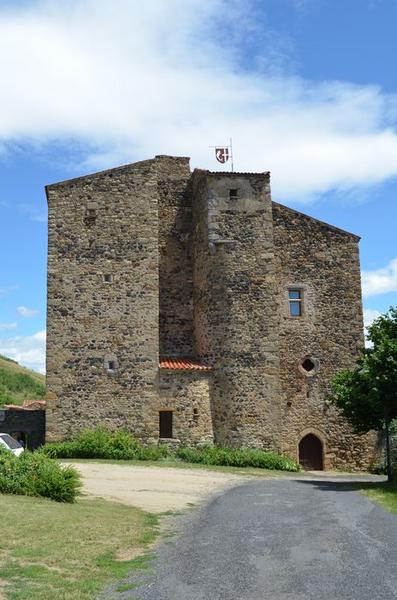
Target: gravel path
(278, 540)
(155, 489)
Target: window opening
(111, 365)
(107, 278)
(233, 194)
(165, 424)
(308, 365)
(295, 303)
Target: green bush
(237, 457)
(102, 443)
(37, 475)
(379, 468)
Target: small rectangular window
(295, 303)
(233, 194)
(107, 278)
(111, 365)
(165, 421)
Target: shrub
(237, 457)
(102, 443)
(379, 468)
(37, 475)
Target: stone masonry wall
(324, 263)
(103, 225)
(187, 395)
(234, 303)
(175, 255)
(147, 259)
(29, 422)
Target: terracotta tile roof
(28, 405)
(183, 364)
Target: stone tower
(190, 308)
(235, 317)
(103, 301)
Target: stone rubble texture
(198, 273)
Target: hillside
(18, 383)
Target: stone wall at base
(187, 395)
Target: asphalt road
(279, 540)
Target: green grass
(179, 464)
(383, 493)
(125, 587)
(69, 551)
(18, 384)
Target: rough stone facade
(150, 261)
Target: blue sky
(306, 88)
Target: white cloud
(370, 315)
(136, 79)
(26, 312)
(28, 350)
(6, 326)
(381, 280)
(8, 289)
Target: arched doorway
(311, 453)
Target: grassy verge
(383, 493)
(18, 384)
(179, 464)
(69, 551)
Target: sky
(306, 88)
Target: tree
(367, 394)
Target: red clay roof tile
(183, 364)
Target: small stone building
(189, 307)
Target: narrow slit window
(295, 303)
(165, 421)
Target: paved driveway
(279, 540)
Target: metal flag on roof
(224, 153)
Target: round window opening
(308, 366)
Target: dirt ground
(154, 489)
